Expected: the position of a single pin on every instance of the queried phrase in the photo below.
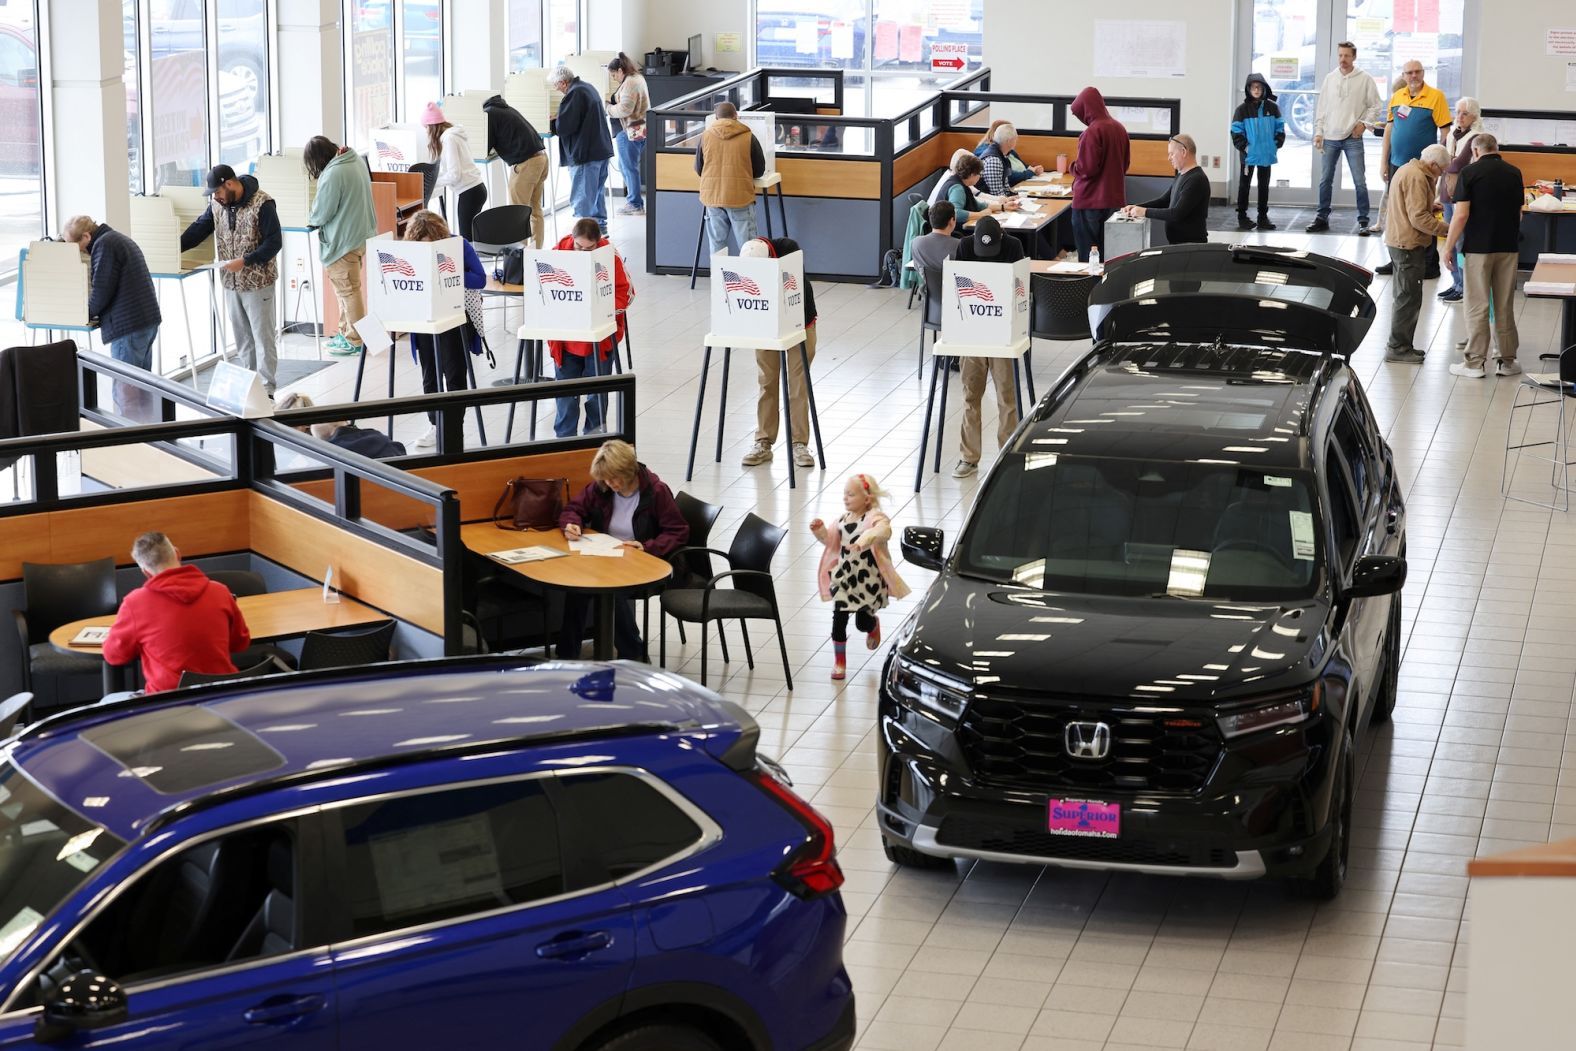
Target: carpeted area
(291, 370)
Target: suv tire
(660, 1038)
(909, 858)
(1326, 882)
(1384, 701)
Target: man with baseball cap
(988, 244)
(245, 223)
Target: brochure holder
(757, 304)
(984, 314)
(56, 280)
(395, 147)
(239, 392)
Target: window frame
(575, 852)
(1338, 474)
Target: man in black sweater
(1185, 207)
(520, 146)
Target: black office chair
(1061, 306)
(242, 584)
(348, 649)
(930, 314)
(11, 712)
(693, 568)
(56, 594)
(429, 179)
(198, 678)
(752, 596)
(497, 229)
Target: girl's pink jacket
(875, 531)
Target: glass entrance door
(1292, 43)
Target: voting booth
(984, 309)
(568, 295)
(56, 280)
(763, 125)
(757, 304)
(529, 92)
(157, 224)
(283, 177)
(464, 110)
(591, 67)
(395, 147)
(416, 286)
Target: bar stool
(763, 187)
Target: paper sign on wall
(806, 37)
(757, 299)
(569, 291)
(416, 285)
(1560, 42)
(948, 56)
(1285, 67)
(985, 304)
(1139, 48)
(842, 40)
(729, 42)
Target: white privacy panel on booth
(569, 293)
(757, 300)
(416, 286)
(763, 125)
(465, 111)
(984, 305)
(157, 224)
(528, 92)
(395, 147)
(283, 177)
(56, 278)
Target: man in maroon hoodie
(1099, 171)
(176, 622)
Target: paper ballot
(599, 545)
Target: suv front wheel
(1330, 876)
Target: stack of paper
(283, 178)
(55, 282)
(465, 111)
(1549, 288)
(1069, 266)
(600, 545)
(527, 91)
(157, 231)
(1556, 257)
(537, 553)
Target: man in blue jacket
(1258, 133)
(123, 301)
(584, 143)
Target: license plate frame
(1089, 818)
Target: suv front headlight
(1267, 714)
(923, 691)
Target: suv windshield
(1099, 526)
(46, 852)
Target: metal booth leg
(787, 418)
(782, 209)
(722, 399)
(809, 390)
(1017, 391)
(700, 239)
(519, 361)
(941, 424)
(700, 401)
(924, 435)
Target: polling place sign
(569, 292)
(985, 305)
(416, 286)
(757, 300)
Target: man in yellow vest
(728, 161)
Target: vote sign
(395, 147)
(416, 286)
(757, 299)
(984, 304)
(569, 291)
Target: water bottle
(1559, 189)
(1094, 260)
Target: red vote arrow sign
(946, 63)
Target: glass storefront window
(243, 80)
(128, 17)
(821, 34)
(177, 83)
(525, 34)
(918, 34)
(563, 29)
(423, 31)
(371, 48)
(21, 136)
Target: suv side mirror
(922, 546)
(87, 1000)
(1377, 575)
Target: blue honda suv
(557, 856)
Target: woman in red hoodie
(176, 622)
(573, 360)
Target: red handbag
(533, 503)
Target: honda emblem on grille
(1087, 740)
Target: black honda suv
(1174, 607)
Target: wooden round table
(630, 575)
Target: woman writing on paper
(445, 351)
(573, 360)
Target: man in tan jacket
(728, 161)
(1410, 227)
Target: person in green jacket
(343, 218)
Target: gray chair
(56, 594)
(11, 713)
(197, 678)
(1061, 306)
(346, 649)
(243, 583)
(930, 312)
(500, 228)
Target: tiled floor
(1028, 959)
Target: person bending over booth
(628, 502)
(445, 351)
(573, 360)
(178, 621)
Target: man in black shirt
(1487, 228)
(1185, 207)
(988, 244)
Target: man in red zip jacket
(178, 621)
(1099, 171)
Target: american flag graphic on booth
(393, 264)
(548, 274)
(967, 288)
(1017, 288)
(389, 153)
(789, 284)
(601, 272)
(446, 265)
(734, 282)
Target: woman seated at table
(446, 350)
(1017, 169)
(573, 360)
(626, 501)
(958, 186)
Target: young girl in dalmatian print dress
(856, 572)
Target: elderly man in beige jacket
(1410, 226)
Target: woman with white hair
(1458, 143)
